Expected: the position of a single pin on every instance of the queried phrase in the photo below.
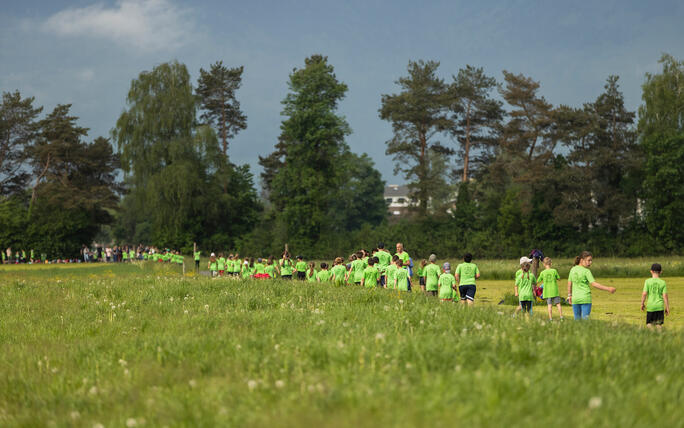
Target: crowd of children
(379, 268)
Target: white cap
(524, 259)
(213, 255)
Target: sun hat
(213, 254)
(524, 259)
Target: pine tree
(217, 89)
(417, 114)
(476, 114)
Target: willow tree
(174, 169)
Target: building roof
(396, 190)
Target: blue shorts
(581, 310)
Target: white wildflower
(122, 362)
(131, 422)
(380, 336)
(595, 402)
(251, 384)
(92, 390)
(75, 415)
(279, 384)
(192, 383)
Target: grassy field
(144, 346)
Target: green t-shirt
(581, 279)
(467, 273)
(270, 270)
(446, 282)
(221, 263)
(404, 256)
(197, 255)
(132, 254)
(301, 266)
(339, 272)
(525, 283)
(247, 271)
(420, 270)
(311, 275)
(384, 259)
(431, 274)
(549, 277)
(124, 255)
(324, 275)
(286, 267)
(213, 265)
(401, 278)
(390, 274)
(370, 277)
(357, 268)
(259, 268)
(655, 288)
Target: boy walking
(655, 290)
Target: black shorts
(656, 318)
(301, 275)
(286, 276)
(432, 293)
(421, 281)
(467, 292)
(526, 305)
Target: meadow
(143, 345)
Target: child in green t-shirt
(447, 284)
(401, 276)
(300, 267)
(524, 286)
(421, 274)
(391, 272)
(338, 271)
(213, 265)
(324, 275)
(311, 272)
(548, 279)
(431, 272)
(370, 274)
(658, 305)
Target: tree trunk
(423, 170)
(466, 154)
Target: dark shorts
(526, 305)
(655, 318)
(421, 281)
(286, 276)
(433, 293)
(467, 292)
(301, 275)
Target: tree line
(495, 169)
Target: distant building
(398, 199)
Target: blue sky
(86, 53)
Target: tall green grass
(152, 348)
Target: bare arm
(667, 304)
(570, 292)
(611, 290)
(643, 299)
